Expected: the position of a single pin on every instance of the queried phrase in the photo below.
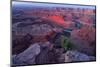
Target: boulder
(28, 56)
(75, 56)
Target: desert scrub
(66, 43)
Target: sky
(88, 2)
(14, 3)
